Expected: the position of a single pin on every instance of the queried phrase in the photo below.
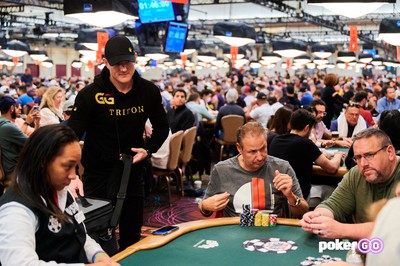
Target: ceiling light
(168, 62)
(89, 37)
(351, 9)
(76, 64)
(16, 48)
(105, 13)
(377, 61)
(234, 34)
(88, 54)
(346, 56)
(206, 57)
(227, 52)
(302, 59)
(330, 65)
(389, 31)
(38, 55)
(390, 63)
(365, 58)
(271, 58)
(47, 63)
(289, 48)
(311, 65)
(322, 50)
(255, 64)
(156, 56)
(321, 61)
(396, 64)
(341, 64)
(352, 63)
(140, 59)
(360, 64)
(219, 62)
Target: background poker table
(319, 176)
(178, 248)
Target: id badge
(79, 217)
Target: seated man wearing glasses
(375, 178)
(348, 124)
(320, 133)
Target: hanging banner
(179, 1)
(397, 53)
(184, 59)
(353, 39)
(234, 53)
(102, 38)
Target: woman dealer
(40, 222)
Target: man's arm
(321, 222)
(330, 166)
(298, 210)
(215, 203)
(284, 183)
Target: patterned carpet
(159, 213)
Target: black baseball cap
(119, 48)
(261, 96)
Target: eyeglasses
(354, 105)
(321, 113)
(368, 156)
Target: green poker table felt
(182, 247)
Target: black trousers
(105, 185)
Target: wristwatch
(297, 203)
(148, 154)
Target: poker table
(184, 246)
(319, 176)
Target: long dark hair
(31, 179)
(389, 123)
(280, 121)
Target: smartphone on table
(165, 230)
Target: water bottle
(354, 257)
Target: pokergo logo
(364, 245)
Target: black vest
(58, 242)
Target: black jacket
(114, 121)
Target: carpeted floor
(158, 212)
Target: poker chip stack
(273, 219)
(265, 219)
(246, 217)
(258, 219)
(316, 261)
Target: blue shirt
(383, 104)
(306, 99)
(25, 99)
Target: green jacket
(12, 139)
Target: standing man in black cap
(113, 111)
(260, 110)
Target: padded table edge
(155, 241)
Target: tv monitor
(175, 37)
(155, 11)
(373, 52)
(181, 12)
